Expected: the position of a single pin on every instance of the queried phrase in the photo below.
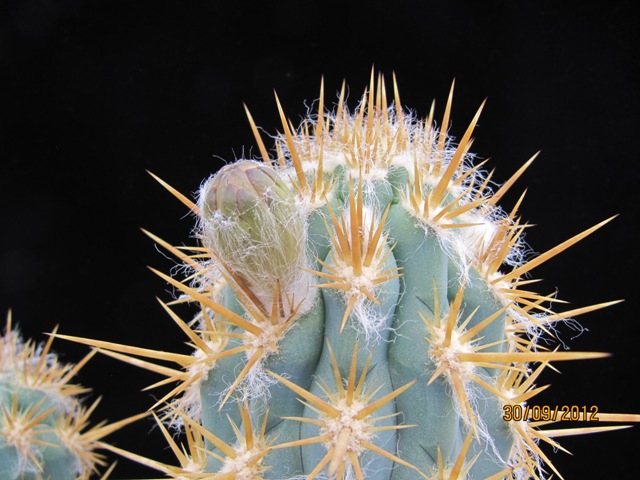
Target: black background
(92, 94)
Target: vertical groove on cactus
(364, 311)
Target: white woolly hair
(373, 323)
(280, 255)
(257, 383)
(336, 151)
(475, 396)
(254, 386)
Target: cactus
(44, 428)
(364, 311)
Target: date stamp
(546, 413)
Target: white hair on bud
(265, 263)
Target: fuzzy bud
(251, 222)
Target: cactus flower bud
(251, 223)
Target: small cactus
(364, 311)
(44, 428)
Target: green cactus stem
(44, 428)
